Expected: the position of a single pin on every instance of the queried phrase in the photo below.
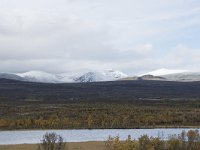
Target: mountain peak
(106, 75)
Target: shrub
(52, 141)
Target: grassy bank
(72, 146)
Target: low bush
(184, 141)
(52, 141)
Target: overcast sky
(132, 36)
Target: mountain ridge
(45, 77)
(100, 76)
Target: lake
(34, 136)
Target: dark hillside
(99, 91)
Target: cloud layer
(66, 35)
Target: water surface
(35, 136)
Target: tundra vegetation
(84, 115)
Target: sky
(132, 36)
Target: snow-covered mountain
(92, 76)
(107, 75)
(164, 71)
(39, 76)
(183, 77)
(176, 75)
(11, 76)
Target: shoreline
(101, 145)
(71, 136)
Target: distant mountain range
(106, 75)
(44, 77)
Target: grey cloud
(63, 35)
